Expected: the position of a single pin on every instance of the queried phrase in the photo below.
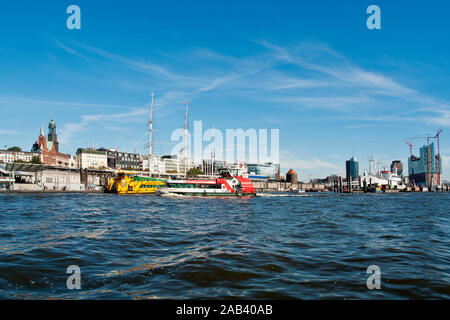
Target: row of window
(194, 185)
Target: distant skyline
(314, 71)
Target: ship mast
(185, 137)
(429, 182)
(150, 138)
(213, 152)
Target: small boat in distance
(129, 182)
(231, 182)
(296, 191)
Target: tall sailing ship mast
(185, 138)
(150, 138)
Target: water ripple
(269, 247)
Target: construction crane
(428, 181)
(439, 155)
(428, 137)
(410, 147)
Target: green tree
(193, 172)
(15, 148)
(36, 160)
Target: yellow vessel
(131, 183)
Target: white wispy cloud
(290, 160)
(332, 102)
(322, 79)
(69, 130)
(345, 86)
(7, 101)
(358, 89)
(312, 163)
(357, 126)
(8, 132)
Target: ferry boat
(231, 182)
(129, 182)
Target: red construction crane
(410, 147)
(439, 155)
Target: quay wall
(61, 180)
(71, 180)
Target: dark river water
(313, 246)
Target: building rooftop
(82, 150)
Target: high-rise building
(424, 169)
(397, 165)
(352, 169)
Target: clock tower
(52, 136)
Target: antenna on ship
(150, 138)
(185, 136)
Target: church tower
(52, 136)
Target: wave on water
(272, 246)
(281, 195)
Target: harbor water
(280, 246)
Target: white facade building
(167, 165)
(73, 162)
(91, 159)
(7, 156)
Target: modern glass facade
(420, 165)
(352, 169)
(269, 169)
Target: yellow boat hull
(127, 184)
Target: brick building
(49, 148)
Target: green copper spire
(51, 125)
(42, 130)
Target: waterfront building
(418, 170)
(352, 169)
(174, 164)
(8, 156)
(91, 159)
(49, 149)
(6, 181)
(397, 167)
(269, 169)
(167, 164)
(156, 165)
(291, 176)
(122, 160)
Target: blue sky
(310, 69)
